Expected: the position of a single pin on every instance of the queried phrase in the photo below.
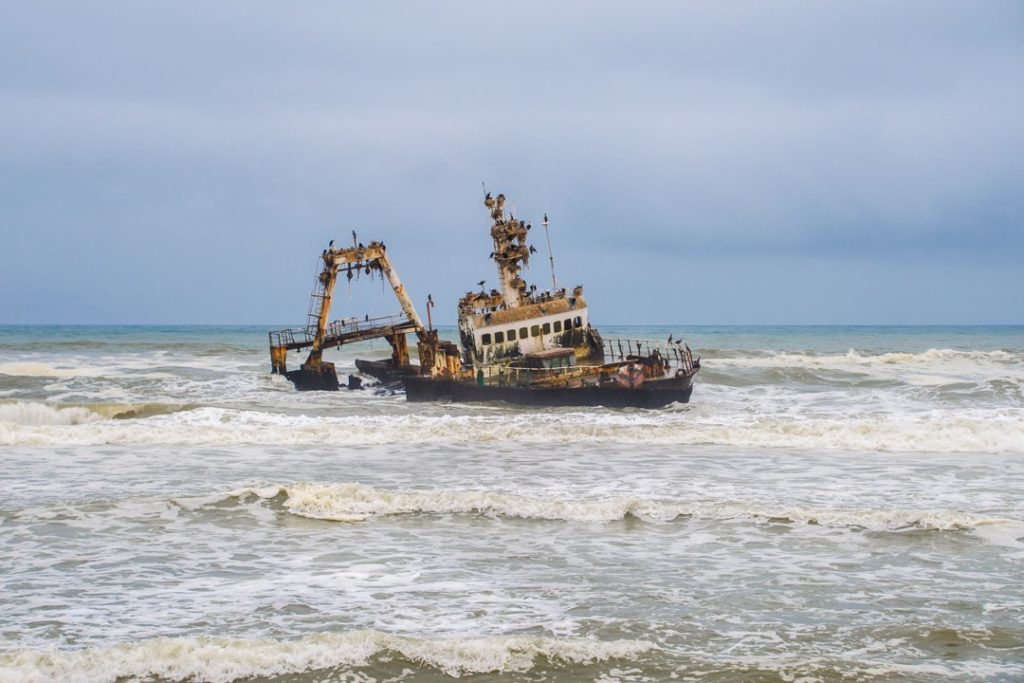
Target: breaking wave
(932, 367)
(353, 502)
(37, 414)
(222, 660)
(25, 423)
(854, 357)
(33, 414)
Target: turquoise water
(835, 503)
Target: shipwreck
(517, 344)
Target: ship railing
(353, 324)
(304, 336)
(290, 337)
(621, 350)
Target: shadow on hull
(654, 394)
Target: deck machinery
(315, 373)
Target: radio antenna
(551, 254)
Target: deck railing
(617, 352)
(676, 353)
(304, 336)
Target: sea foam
(1001, 431)
(222, 660)
(30, 413)
(35, 414)
(353, 502)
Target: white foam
(352, 502)
(34, 414)
(221, 660)
(935, 432)
(35, 369)
(40, 414)
(931, 367)
(852, 357)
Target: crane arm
(374, 255)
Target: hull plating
(653, 394)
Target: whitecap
(222, 660)
(353, 502)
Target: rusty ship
(516, 344)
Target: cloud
(240, 136)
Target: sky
(701, 162)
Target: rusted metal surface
(524, 346)
(518, 344)
(487, 316)
(320, 334)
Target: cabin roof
(529, 311)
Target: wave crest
(30, 413)
(987, 432)
(931, 367)
(222, 660)
(39, 414)
(353, 502)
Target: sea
(834, 504)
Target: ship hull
(652, 394)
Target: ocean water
(835, 504)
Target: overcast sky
(701, 162)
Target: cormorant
(331, 243)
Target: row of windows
(532, 331)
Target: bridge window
(558, 326)
(547, 328)
(535, 331)
(512, 334)
(577, 321)
(522, 333)
(568, 323)
(485, 339)
(499, 337)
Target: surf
(224, 659)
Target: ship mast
(551, 254)
(510, 250)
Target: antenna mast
(551, 254)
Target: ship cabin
(497, 334)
